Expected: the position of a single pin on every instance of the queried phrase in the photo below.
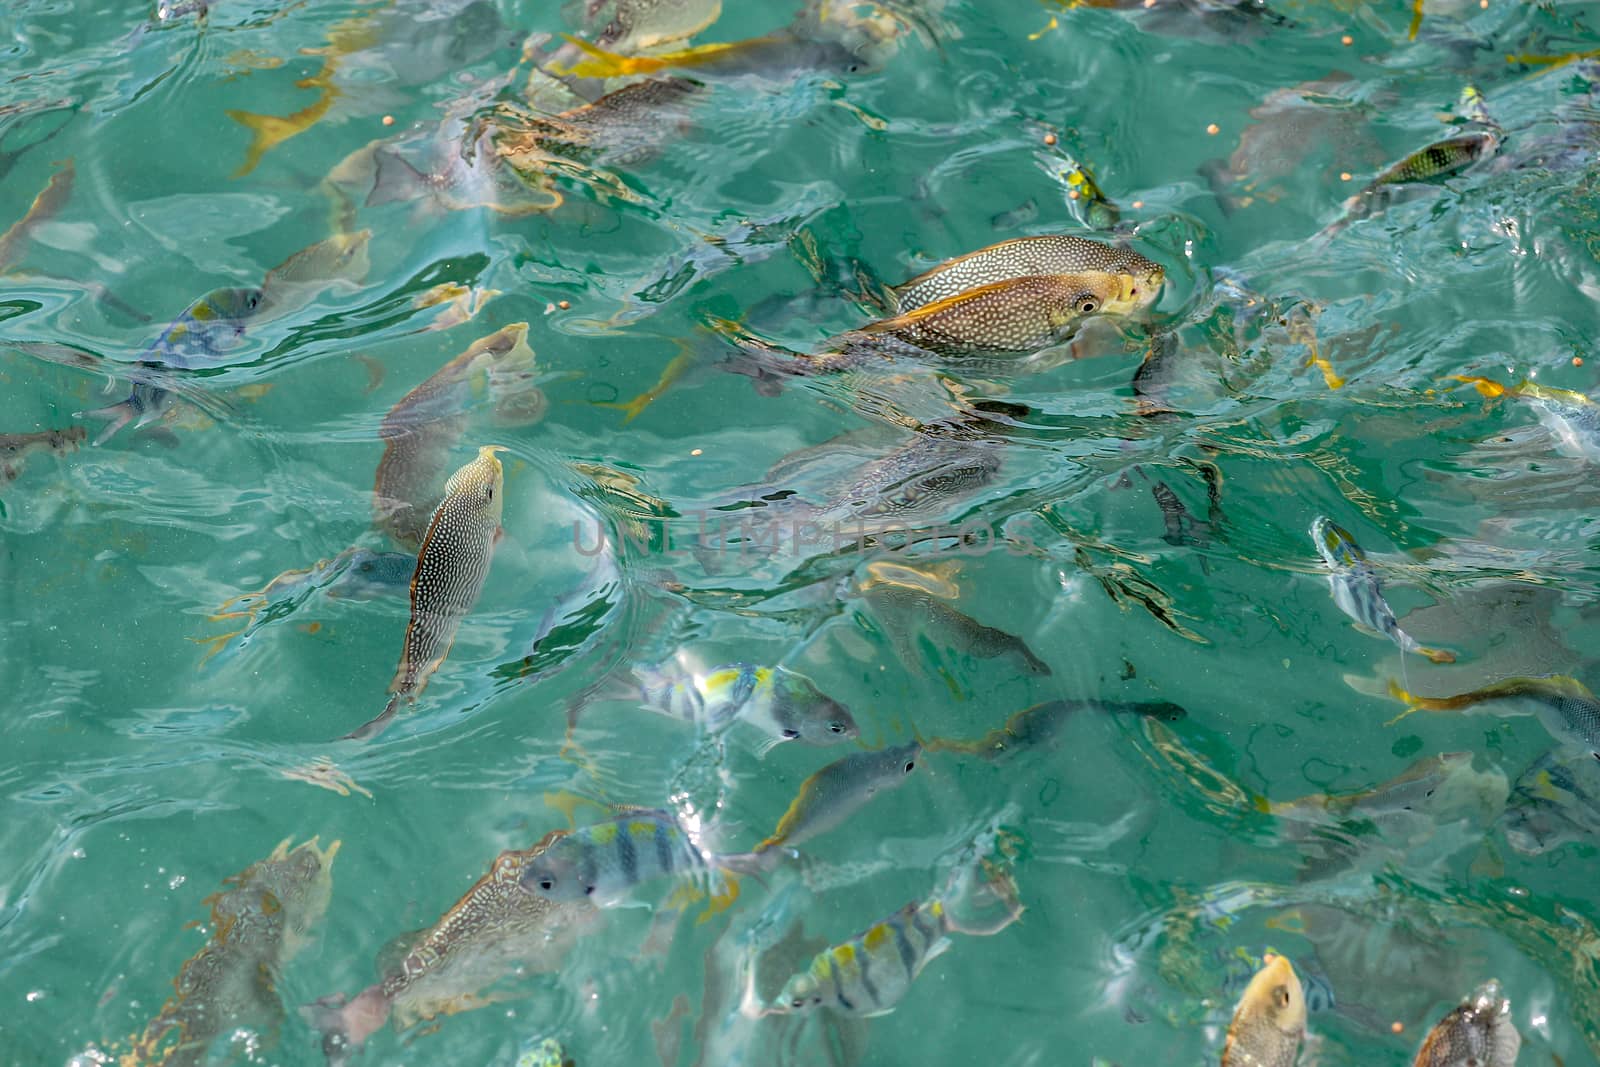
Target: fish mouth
(1134, 292)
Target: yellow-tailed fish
(44, 207)
(1357, 591)
(1040, 726)
(1478, 1033)
(15, 448)
(452, 565)
(460, 303)
(1568, 709)
(605, 861)
(839, 790)
(259, 921)
(1270, 1020)
(1434, 786)
(1026, 257)
(496, 929)
(908, 605)
(783, 704)
(421, 429)
(1571, 416)
(772, 55)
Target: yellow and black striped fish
(451, 568)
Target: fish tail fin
(1437, 655)
(393, 179)
(116, 416)
(269, 131)
(603, 64)
(367, 731)
(1222, 180)
(1409, 699)
(1487, 386)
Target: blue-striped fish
(837, 791)
(1478, 1033)
(1270, 1020)
(1358, 592)
(1567, 707)
(451, 568)
(782, 703)
(872, 972)
(604, 861)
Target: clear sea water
(138, 773)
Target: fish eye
(797, 1002)
(836, 727)
(547, 884)
(488, 495)
(816, 1000)
(1088, 305)
(1280, 994)
(791, 734)
(588, 891)
(911, 765)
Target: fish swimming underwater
(839, 790)
(1554, 802)
(1357, 591)
(452, 566)
(258, 922)
(212, 329)
(44, 207)
(1571, 416)
(1479, 1033)
(15, 448)
(1028, 257)
(605, 861)
(425, 424)
(1566, 707)
(1270, 1020)
(1040, 726)
(496, 929)
(783, 704)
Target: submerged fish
(1270, 1020)
(1565, 705)
(1479, 1033)
(1571, 416)
(15, 448)
(451, 568)
(496, 929)
(214, 327)
(421, 429)
(1041, 724)
(1357, 591)
(606, 860)
(909, 602)
(44, 207)
(631, 26)
(1441, 159)
(1434, 787)
(784, 704)
(258, 922)
(1555, 801)
(839, 790)
(1028, 257)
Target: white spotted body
(451, 568)
(1025, 257)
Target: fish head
(893, 766)
(1273, 999)
(1480, 1031)
(1335, 545)
(230, 305)
(481, 484)
(809, 714)
(1140, 278)
(802, 993)
(557, 872)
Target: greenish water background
(135, 779)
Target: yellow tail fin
(270, 131)
(1486, 386)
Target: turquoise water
(149, 759)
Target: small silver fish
(837, 791)
(1270, 1020)
(1479, 1033)
(782, 703)
(1357, 591)
(1555, 801)
(451, 568)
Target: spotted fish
(259, 922)
(1479, 1033)
(420, 430)
(1357, 591)
(606, 860)
(839, 790)
(15, 448)
(1567, 707)
(496, 929)
(1026, 257)
(1270, 1020)
(451, 567)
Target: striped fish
(872, 972)
(451, 568)
(784, 704)
(1479, 1033)
(606, 860)
(1270, 1020)
(1357, 591)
